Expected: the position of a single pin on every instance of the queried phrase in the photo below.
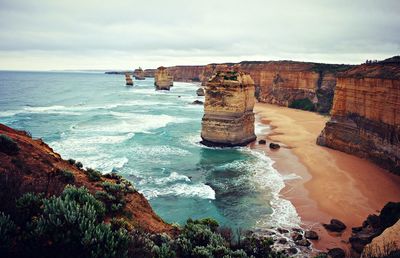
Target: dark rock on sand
(335, 226)
(262, 142)
(274, 146)
(297, 236)
(282, 241)
(283, 231)
(197, 102)
(311, 235)
(302, 242)
(336, 253)
(200, 92)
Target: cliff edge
(365, 114)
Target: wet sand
(332, 184)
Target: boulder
(197, 102)
(311, 235)
(296, 236)
(274, 146)
(336, 253)
(200, 92)
(282, 241)
(281, 230)
(335, 225)
(262, 142)
(302, 242)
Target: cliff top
(231, 77)
(386, 69)
(30, 165)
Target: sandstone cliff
(365, 115)
(278, 82)
(139, 74)
(228, 110)
(35, 167)
(162, 79)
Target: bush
(8, 145)
(71, 161)
(7, 233)
(79, 165)
(28, 206)
(93, 175)
(303, 104)
(73, 223)
(67, 176)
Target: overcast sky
(69, 34)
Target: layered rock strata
(366, 115)
(228, 110)
(163, 80)
(139, 74)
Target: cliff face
(36, 168)
(284, 82)
(228, 110)
(365, 115)
(162, 79)
(186, 73)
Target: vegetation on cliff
(54, 208)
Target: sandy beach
(331, 184)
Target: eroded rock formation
(128, 80)
(228, 110)
(366, 115)
(162, 79)
(139, 74)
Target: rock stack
(162, 79)
(128, 80)
(139, 74)
(228, 110)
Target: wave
(266, 176)
(198, 190)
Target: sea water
(151, 138)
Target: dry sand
(333, 184)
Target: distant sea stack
(366, 114)
(163, 80)
(228, 110)
(128, 80)
(139, 74)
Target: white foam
(199, 190)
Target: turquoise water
(151, 138)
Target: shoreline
(328, 183)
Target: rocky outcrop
(36, 168)
(200, 92)
(365, 115)
(384, 244)
(163, 80)
(373, 227)
(139, 74)
(228, 110)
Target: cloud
(122, 34)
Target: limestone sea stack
(128, 80)
(162, 79)
(139, 74)
(228, 110)
(365, 117)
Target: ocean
(151, 138)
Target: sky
(119, 34)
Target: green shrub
(112, 175)
(93, 175)
(8, 145)
(67, 176)
(79, 164)
(303, 104)
(7, 233)
(72, 161)
(27, 206)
